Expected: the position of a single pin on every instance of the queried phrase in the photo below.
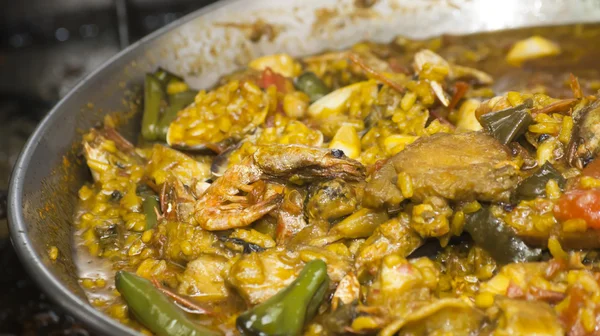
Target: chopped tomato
(268, 78)
(584, 204)
(592, 169)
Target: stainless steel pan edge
(203, 46)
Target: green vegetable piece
(182, 99)
(153, 98)
(165, 77)
(286, 312)
(154, 309)
(150, 205)
(501, 242)
(507, 125)
(312, 85)
(535, 185)
(177, 102)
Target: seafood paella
(446, 186)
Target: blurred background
(46, 47)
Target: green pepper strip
(176, 103)
(509, 124)
(535, 185)
(501, 241)
(154, 310)
(150, 206)
(286, 312)
(312, 85)
(153, 97)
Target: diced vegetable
(154, 310)
(507, 125)
(312, 85)
(270, 78)
(583, 204)
(498, 239)
(286, 312)
(535, 185)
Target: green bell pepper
(154, 310)
(286, 312)
(509, 124)
(498, 239)
(153, 99)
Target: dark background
(46, 47)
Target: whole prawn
(255, 187)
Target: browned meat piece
(459, 167)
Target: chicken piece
(394, 236)
(527, 318)
(520, 280)
(337, 265)
(204, 278)
(400, 288)
(460, 167)
(445, 316)
(258, 276)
